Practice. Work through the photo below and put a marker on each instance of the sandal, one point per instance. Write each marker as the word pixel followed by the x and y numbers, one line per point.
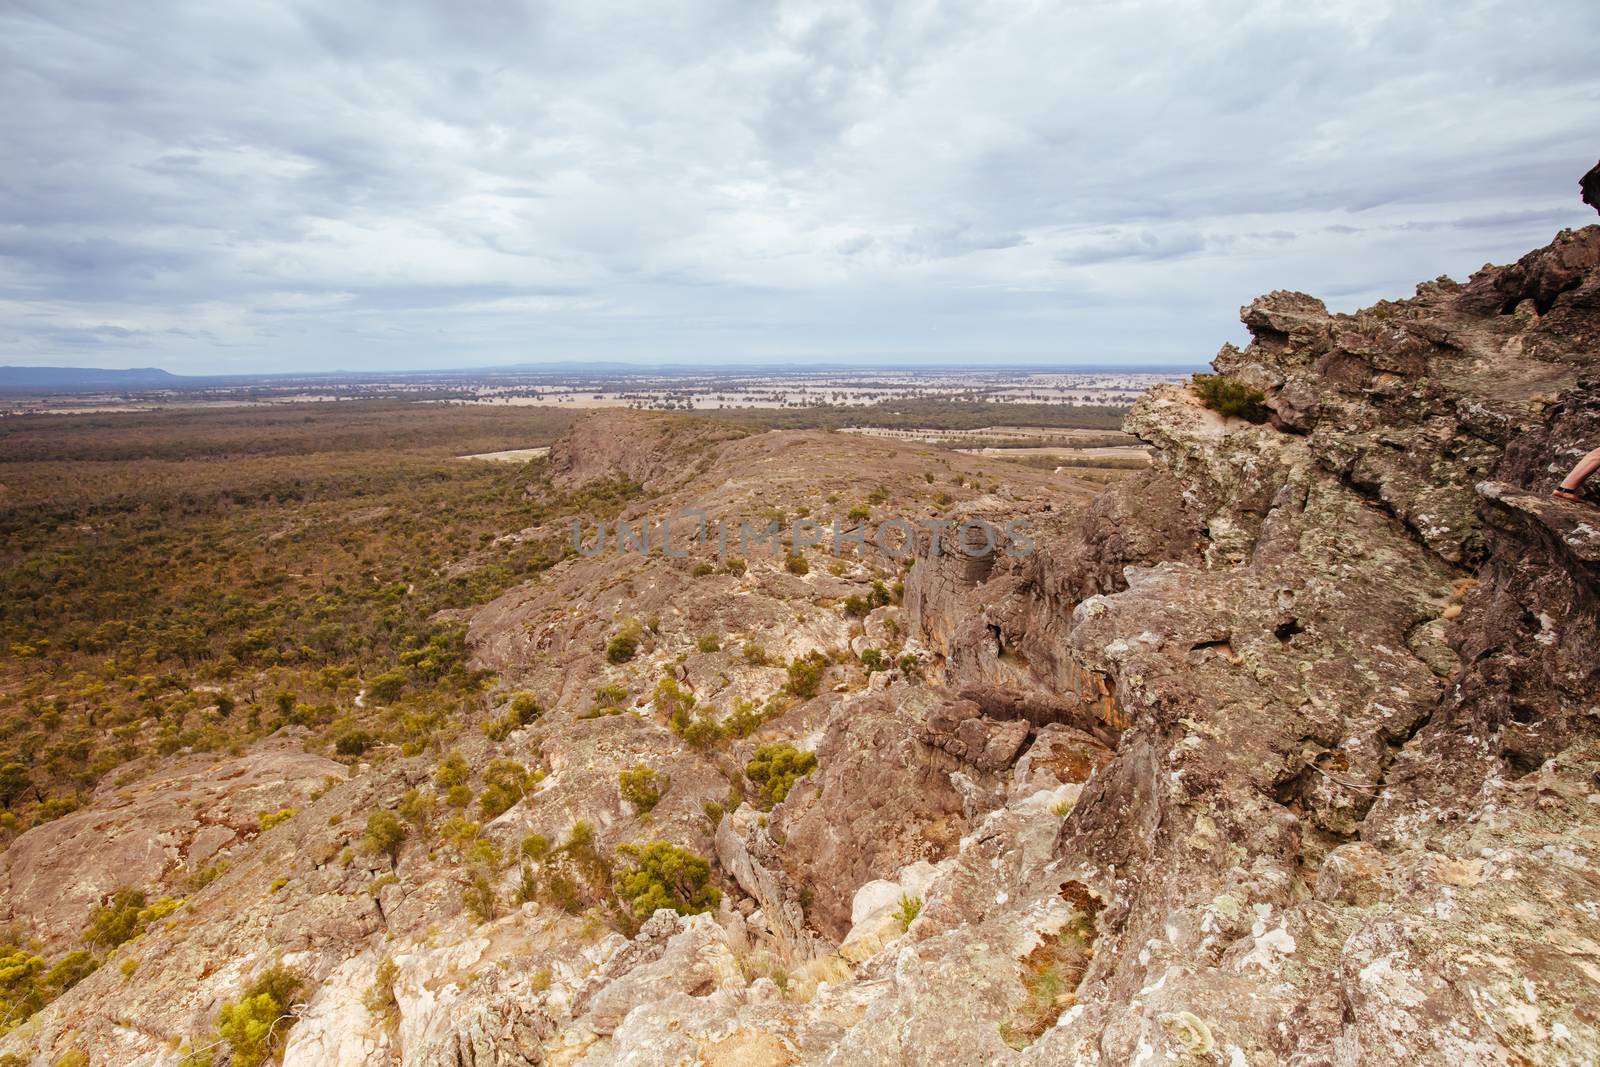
pixel 1566 494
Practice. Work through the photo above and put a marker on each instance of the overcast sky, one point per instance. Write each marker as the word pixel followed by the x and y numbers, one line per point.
pixel 219 187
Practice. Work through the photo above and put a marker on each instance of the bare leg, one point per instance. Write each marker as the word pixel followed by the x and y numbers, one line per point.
pixel 1580 474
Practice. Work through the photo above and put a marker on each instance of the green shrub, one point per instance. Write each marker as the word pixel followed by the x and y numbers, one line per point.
pixel 478 896
pixel 267 820
pixel 907 912
pixel 611 695
pixel 505 782
pixel 451 771
pixel 805 676
pixel 417 807
pixel 673 702
pixel 625 645
pixel 353 743
pixel 704 568
pixel 574 877
pixel 775 768
pixel 796 564
pixel 459 832
pixel 856 606
pixel 708 643
pixel 254 1026
pixel 387 686
pixel 662 875
pixel 116 921
pixel 1231 397
pixel 872 659
pixel 859 513
pixel 384 834
pixel 643 787
pixel 698 731
pixel 754 654
pixel 69 970
pixel 526 708
pixel 535 846
pixel 380 999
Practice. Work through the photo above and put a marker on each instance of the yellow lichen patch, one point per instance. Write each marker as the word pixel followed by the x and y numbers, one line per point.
pixel 1189 1031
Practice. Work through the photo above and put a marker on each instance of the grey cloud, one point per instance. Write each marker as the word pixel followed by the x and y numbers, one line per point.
pixel 275 186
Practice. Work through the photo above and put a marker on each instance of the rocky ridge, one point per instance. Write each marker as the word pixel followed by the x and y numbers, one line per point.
pixel 1286 750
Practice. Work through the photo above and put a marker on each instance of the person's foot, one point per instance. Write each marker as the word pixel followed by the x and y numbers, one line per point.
pixel 1565 494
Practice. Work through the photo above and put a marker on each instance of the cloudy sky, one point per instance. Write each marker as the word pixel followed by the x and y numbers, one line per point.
pixel 221 186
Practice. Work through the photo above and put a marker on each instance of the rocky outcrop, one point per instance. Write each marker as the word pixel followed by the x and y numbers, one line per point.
pixel 151 835
pixel 1341 712
pixel 652 450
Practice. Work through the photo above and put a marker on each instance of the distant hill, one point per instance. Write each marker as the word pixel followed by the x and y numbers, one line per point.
pixel 35 379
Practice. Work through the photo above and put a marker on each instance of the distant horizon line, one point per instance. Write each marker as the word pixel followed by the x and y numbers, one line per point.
pixel 599 366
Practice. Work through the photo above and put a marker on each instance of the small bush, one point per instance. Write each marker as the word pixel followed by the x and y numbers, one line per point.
pixel 673 702
pixel 384 834
pixel 708 643
pixel 535 846
pixel 805 676
pixel 353 743
pixel 267 820
pixel 417 808
pixel 704 568
pixel 116 921
pixel 505 782
pixel 523 710
pixel 775 768
pixel 662 875
pixel 907 912
pixel 478 896
pixel 1231 397
pixel 643 787
pixel 255 1025
pixel 754 654
pixel 610 695
pixel 380 999
pixel 872 659
pixel 387 686
pixel 624 645
pixel 71 969
pixel 526 708
pixel 796 564
pixel 451 771
pixel 859 513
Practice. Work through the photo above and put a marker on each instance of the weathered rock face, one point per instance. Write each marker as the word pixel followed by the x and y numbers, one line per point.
pixel 150 835
pixel 1350 698
pixel 1283 751
pixel 655 451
